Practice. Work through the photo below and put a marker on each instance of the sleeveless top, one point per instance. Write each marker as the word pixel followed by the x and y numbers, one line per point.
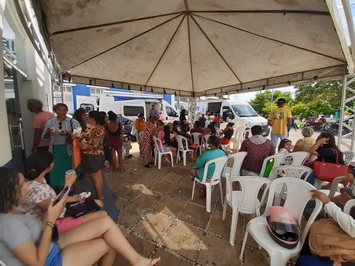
pixel 114 133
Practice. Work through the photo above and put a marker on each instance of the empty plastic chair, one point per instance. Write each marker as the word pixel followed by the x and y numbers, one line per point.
pixel 183 147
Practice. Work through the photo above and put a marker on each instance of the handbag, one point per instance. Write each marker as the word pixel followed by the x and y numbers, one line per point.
pixel 328 171
pixel 80 208
pixel 328 239
pixel 76 154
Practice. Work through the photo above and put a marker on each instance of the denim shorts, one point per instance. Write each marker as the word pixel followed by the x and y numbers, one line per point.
pixel 54 257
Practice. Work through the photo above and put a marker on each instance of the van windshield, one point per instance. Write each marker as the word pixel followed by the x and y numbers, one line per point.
pixel 244 110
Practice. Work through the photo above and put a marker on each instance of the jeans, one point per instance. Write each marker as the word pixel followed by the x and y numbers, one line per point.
pixel 275 138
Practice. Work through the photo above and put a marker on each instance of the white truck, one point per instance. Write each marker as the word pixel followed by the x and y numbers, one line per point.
pixel 232 111
pixel 129 109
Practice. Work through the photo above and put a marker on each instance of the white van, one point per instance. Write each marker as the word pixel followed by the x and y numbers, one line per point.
pixel 232 111
pixel 129 109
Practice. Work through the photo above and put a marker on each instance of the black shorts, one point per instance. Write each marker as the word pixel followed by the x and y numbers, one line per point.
pixel 91 164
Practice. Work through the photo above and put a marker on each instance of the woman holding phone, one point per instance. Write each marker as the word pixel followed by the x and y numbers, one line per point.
pixel 24 240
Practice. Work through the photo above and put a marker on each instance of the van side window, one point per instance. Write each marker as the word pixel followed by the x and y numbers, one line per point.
pixel 227 113
pixel 170 111
pixel 88 107
pixel 132 110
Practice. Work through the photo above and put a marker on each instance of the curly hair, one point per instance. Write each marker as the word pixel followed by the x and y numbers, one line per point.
pixel 9 189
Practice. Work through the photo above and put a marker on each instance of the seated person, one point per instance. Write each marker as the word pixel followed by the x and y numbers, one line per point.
pixel 227 134
pixel 258 148
pixel 40 193
pixel 321 120
pixel 177 129
pixel 197 128
pixel 346 222
pixel 307 142
pixel 285 146
pixel 166 137
pixel 198 170
pixel 24 240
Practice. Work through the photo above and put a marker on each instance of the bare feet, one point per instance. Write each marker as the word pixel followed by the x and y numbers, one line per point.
pixel 122 170
pixel 148 262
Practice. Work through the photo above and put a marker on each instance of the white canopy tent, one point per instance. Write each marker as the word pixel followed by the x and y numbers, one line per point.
pixel 194 47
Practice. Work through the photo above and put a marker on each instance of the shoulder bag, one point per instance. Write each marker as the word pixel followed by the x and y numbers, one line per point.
pixel 328 171
pixel 328 239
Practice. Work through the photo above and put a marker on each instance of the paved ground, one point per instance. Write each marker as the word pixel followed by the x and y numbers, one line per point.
pixel 159 218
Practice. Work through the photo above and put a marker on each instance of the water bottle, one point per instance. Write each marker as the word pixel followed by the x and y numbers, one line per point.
pixel 268 168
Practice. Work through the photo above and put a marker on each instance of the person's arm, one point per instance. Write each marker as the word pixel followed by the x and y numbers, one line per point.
pixel 319 142
pixel 201 160
pixel 27 252
pixel 36 139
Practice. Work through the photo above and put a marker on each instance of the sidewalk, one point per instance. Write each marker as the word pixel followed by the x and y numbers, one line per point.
pixel 159 218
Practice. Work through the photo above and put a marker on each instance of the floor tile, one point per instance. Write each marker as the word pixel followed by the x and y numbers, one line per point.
pixel 170 206
pixel 195 215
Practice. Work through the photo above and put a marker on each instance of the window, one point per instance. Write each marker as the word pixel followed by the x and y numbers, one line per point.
pixel 170 111
pixel 88 107
pixel 132 110
pixel 227 113
pixel 244 110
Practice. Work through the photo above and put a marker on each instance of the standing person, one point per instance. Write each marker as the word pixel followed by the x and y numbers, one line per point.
pixel 184 123
pixel 147 141
pixel 258 148
pixel 24 240
pixel 153 112
pixel 115 132
pixel 39 121
pixel 81 116
pixel 91 144
pixel 279 119
pixel 139 125
pixel 59 130
pixel 202 120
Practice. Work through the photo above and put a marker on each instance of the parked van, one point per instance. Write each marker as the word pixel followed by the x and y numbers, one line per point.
pixel 129 109
pixel 232 111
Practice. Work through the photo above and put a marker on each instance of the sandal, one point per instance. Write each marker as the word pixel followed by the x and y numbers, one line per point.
pixel 158 261
pixel 147 165
pixel 151 163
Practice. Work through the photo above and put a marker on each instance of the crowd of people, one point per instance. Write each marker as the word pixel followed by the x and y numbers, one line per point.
pixel 29 217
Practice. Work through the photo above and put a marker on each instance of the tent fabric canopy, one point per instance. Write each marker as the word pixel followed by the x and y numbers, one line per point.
pixel 194 47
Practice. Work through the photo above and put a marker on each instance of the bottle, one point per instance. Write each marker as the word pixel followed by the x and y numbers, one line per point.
pixel 268 168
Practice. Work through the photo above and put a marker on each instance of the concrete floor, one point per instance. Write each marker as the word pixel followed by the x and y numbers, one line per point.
pixel 159 218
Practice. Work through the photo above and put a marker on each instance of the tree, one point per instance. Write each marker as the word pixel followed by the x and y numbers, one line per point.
pixel 265 101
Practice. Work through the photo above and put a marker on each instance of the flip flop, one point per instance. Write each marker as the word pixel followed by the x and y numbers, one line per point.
pixel 151 261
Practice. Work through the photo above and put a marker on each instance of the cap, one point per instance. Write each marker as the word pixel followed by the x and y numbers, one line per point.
pixel 280 100
pixel 35 103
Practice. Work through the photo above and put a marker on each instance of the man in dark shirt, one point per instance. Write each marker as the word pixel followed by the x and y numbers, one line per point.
pixel 202 121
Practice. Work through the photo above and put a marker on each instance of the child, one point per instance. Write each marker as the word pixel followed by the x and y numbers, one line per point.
pixel 285 146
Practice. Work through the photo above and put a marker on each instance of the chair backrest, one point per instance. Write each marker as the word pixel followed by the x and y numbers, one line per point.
pixel 183 143
pixel 250 187
pixel 219 165
pixel 296 158
pixel 237 158
pixel 196 140
pixel 298 195
pixel 238 137
pixel 348 206
pixel 278 159
pixel 295 171
pixel 158 144
pixel 205 141
pixel 223 125
pixel 348 156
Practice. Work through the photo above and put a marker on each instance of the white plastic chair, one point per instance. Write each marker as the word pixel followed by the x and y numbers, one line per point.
pixel 278 160
pixel 348 206
pixel 333 191
pixel 238 159
pixel 348 156
pixel 216 179
pixel 223 125
pixel 296 158
pixel 204 141
pixel 295 171
pixel 298 194
pixel 237 138
pixel 243 201
pixel 2 263
pixel 183 147
pixel 196 140
pixel 159 152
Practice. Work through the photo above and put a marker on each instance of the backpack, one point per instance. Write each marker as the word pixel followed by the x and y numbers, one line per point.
pixel 328 239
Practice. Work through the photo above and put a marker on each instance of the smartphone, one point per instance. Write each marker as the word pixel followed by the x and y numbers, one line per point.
pixel 62 194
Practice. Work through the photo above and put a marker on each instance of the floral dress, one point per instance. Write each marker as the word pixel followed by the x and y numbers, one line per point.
pixel 147 140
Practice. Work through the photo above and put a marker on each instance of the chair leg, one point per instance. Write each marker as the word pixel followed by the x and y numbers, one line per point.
pixel 224 213
pixel 172 160
pixel 159 161
pixel 244 243
pixel 184 158
pixel 193 189
pixel 234 225
pixel 208 197
pixel 156 158
pixel 221 191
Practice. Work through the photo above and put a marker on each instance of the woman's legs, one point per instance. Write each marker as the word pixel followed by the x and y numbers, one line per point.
pixel 114 160
pixel 104 228
pixel 98 184
pixel 120 161
pixel 93 215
